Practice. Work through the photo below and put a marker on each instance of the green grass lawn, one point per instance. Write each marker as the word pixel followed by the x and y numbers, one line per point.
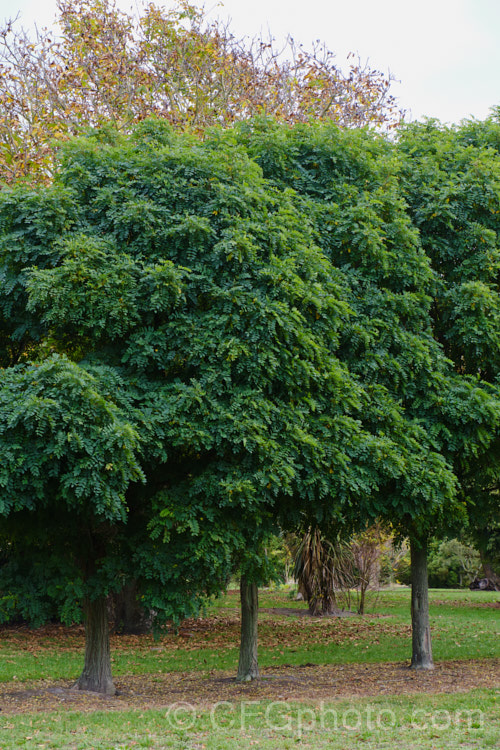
pixel 454 722
pixel 465 626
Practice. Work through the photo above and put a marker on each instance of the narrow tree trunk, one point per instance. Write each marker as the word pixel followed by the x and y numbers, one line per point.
pixel 96 675
pixel 421 632
pixel 248 668
pixel 362 598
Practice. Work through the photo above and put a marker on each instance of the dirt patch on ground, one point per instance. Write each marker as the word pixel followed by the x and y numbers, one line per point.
pixel 308 682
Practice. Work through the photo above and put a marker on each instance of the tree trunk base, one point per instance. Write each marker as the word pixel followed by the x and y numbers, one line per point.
pixel 248 667
pixel 89 686
pixel 249 677
pixel 96 675
pixel 422 667
pixel 421 631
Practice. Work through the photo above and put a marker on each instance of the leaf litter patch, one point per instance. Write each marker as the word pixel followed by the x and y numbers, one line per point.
pixel 308 682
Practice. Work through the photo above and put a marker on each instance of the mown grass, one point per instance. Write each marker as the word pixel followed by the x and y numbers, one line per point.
pixel 451 722
pixel 462 628
pixel 465 626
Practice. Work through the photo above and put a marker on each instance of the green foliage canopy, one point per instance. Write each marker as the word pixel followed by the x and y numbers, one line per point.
pixel 450 178
pixel 175 338
pixel 397 336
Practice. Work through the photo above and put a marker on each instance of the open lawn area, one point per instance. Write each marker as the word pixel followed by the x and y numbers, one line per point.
pixel 336 682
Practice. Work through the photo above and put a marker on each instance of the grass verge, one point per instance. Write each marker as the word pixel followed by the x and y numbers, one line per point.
pixel 454 722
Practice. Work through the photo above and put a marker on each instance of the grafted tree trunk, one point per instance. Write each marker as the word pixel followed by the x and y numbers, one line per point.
pixel 96 673
pixel 421 657
pixel 248 668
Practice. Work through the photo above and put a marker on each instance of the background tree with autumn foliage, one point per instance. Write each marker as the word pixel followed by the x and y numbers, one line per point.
pixel 101 65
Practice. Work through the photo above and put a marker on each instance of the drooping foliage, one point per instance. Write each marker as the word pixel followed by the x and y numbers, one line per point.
pixel 349 184
pixel 170 323
pixel 351 189
pixel 451 181
pixel 237 333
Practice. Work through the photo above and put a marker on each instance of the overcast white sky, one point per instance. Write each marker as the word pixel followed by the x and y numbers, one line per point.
pixel 445 53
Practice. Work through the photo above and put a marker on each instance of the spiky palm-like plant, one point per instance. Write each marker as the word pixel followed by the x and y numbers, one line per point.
pixel 321 571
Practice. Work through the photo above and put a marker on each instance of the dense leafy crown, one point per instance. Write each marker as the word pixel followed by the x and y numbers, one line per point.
pixel 232 347
pixel 450 178
pixel 397 334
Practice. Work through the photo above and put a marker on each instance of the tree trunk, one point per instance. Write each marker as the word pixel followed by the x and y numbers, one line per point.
pixel 362 598
pixel 488 571
pixel 96 675
pixel 421 632
pixel 248 668
pixel 126 613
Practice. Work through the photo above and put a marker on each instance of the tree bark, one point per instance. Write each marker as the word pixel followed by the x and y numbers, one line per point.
pixel 248 668
pixel 421 632
pixel 362 598
pixel 126 613
pixel 488 571
pixel 96 675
